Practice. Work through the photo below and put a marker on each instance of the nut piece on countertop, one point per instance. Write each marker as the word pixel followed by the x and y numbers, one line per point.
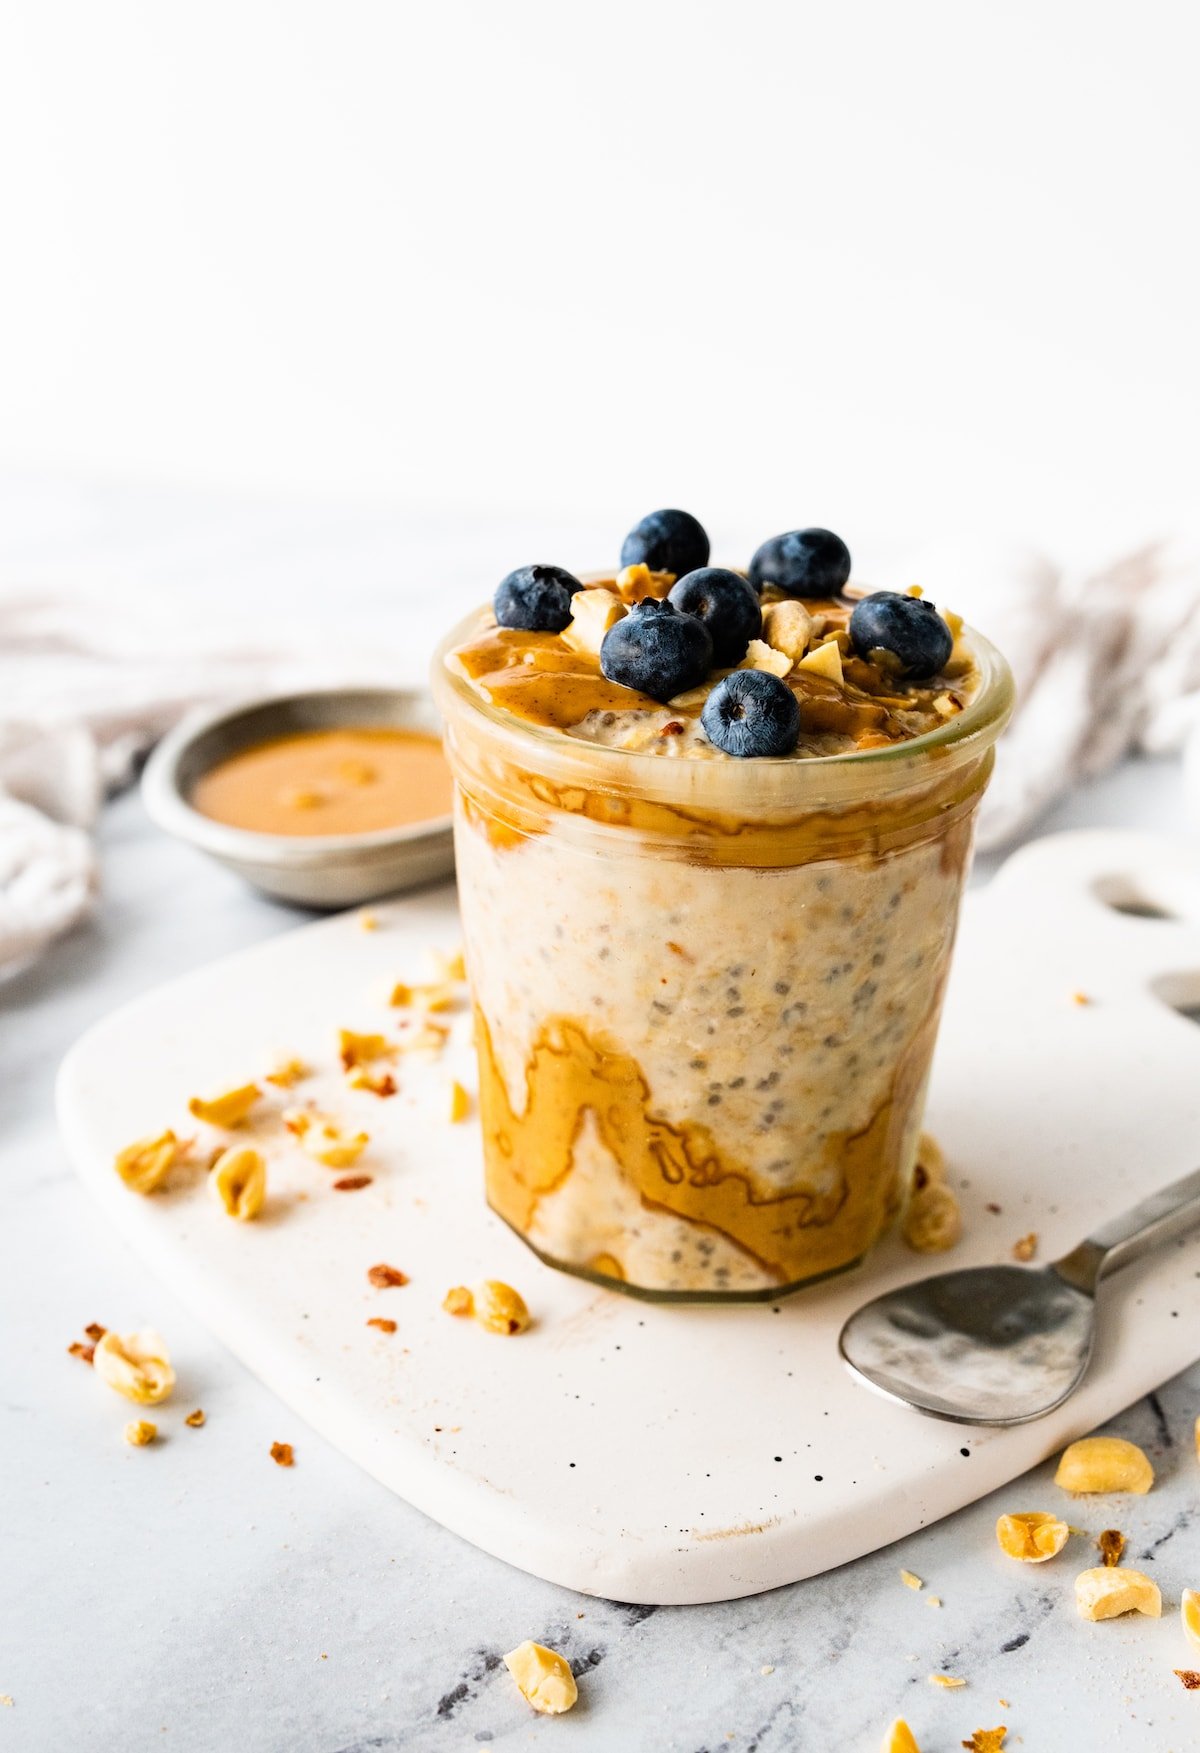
pixel 1112 1546
pixel 239 1181
pixel 899 1738
pixel 1103 1593
pixel 1032 1536
pixel 324 1139
pixel 139 1432
pixel 1189 1613
pixel 500 1308
pixel 986 1740
pixel 143 1165
pixel 226 1110
pixel 932 1221
pixel 137 1366
pixel 458 1301
pixel 543 1677
pixel 283 1454
pixel 1104 1463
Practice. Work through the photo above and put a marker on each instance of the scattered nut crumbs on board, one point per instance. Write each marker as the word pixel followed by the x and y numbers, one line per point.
pixel 1112 1544
pixel 139 1432
pixel 195 1419
pixel 352 1183
pixel 1026 1247
pixel 382 1322
pixel 283 1454
pixel 386 1277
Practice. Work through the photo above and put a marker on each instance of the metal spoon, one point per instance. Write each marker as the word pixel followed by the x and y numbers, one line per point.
pixel 1005 1344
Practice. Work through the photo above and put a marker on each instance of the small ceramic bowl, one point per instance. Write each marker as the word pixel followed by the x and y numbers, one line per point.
pixel 326 870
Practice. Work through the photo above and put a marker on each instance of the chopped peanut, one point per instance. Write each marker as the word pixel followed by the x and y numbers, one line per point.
pixel 85 1353
pixel 323 1139
pixel 239 1181
pixel 139 1432
pixel 195 1419
pixel 824 660
pixel 1032 1536
pixel 429 1038
pixel 543 1677
pixel 382 1323
pixel 287 1073
pixel 1189 1613
pixel 386 1277
pixel 986 1740
pixel 283 1454
pixel 377 1083
pixel 1103 1593
pixel 933 1221
pixel 450 965
pixel 352 1183
pixel 899 1738
pixel 1026 1247
pixel 1104 1463
pixel 460 1103
pixel 227 1110
pixel 143 1165
pixel 761 656
pixel 1189 1678
pixel 593 612
pixel 788 627
pixel 1112 1546
pixel 499 1308
pixel 949 1681
pixel 355 1049
pixel 137 1366
pixel 910 1580
pixel 434 995
pixel 459 1301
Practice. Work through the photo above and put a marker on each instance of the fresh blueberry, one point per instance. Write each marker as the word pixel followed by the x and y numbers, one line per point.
pixel 908 628
pixel 666 541
pixel 537 599
pixel 656 650
pixel 726 604
pixel 804 563
pixel 752 713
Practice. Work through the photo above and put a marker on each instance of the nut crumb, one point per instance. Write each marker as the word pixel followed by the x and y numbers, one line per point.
pixel 137 1367
pixel 460 1103
pixel 672 728
pixel 459 1301
pixel 352 1183
pixel 1112 1545
pixel 1026 1247
pixel 767 1668
pixel 899 1738
pixel 946 1680
pixel 993 1208
pixel 226 1110
pixel 933 1600
pixel 95 1331
pixel 986 1740
pixel 355 1049
pixel 324 1139
pixel 382 1322
pixel 85 1353
pixel 195 1419
pixel 1033 1536
pixel 377 1083
pixel 543 1678
pixel 910 1580
pixel 1190 1678
pixel 288 1072
pixel 933 1221
pixel 145 1164
pixel 1080 998
pixel 283 1454
pixel 385 1277
pixel 239 1181
pixel 368 922
pixel 139 1432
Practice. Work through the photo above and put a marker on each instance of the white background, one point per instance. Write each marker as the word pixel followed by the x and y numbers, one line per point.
pixel 883 266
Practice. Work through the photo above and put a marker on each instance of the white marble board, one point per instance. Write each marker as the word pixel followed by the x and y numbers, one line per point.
pixel 646 1453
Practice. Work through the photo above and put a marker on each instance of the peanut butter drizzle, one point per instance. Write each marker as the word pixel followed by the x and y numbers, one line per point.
pixel 539 679
pixel 679 1167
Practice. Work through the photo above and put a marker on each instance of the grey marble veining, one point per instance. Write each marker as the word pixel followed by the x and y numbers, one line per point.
pixel 195 1597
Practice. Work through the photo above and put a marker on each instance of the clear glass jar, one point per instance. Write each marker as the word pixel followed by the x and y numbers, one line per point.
pixel 707 992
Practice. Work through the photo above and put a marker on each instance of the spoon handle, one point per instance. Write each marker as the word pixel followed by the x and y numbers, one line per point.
pixel 1169 1213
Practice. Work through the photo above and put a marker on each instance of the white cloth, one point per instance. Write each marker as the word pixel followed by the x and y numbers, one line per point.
pixel 1105 659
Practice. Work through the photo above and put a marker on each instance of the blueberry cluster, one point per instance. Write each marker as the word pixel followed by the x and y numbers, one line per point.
pixel 665 646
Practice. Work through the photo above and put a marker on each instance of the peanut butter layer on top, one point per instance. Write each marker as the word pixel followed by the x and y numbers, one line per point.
pixel 847 702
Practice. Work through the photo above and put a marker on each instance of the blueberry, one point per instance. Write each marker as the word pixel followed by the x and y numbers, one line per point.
pixel 726 604
pixel 537 599
pixel 666 541
pixel 804 563
pixel 752 713
pixel 656 650
pixel 909 629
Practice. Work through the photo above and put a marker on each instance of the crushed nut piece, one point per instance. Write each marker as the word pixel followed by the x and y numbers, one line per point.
pixel 788 627
pixel 386 1277
pixel 139 1432
pixel 1189 1613
pixel 137 1366
pixel 499 1308
pixel 434 995
pixel 352 1183
pixel 377 1083
pixel 287 1073
pixel 933 1600
pixel 227 1110
pixel 383 1324
pixel 986 1740
pixel 946 1680
pixel 1026 1247
pixel 95 1331
pixel 635 582
pixel 761 656
pixel 283 1454
pixel 1112 1545
pixel 1080 998
pixel 1031 1535
pixel 899 1738
pixel 355 1049
pixel 450 965
pixel 325 1140
pixel 460 1103
pixel 368 922
pixel 1104 1463
pixel 85 1353
pixel 195 1419
pixel 239 1181
pixel 143 1165
pixel 933 1221
pixel 459 1301
pixel 910 1580
pixel 674 727
pixel 1189 1677
pixel 543 1677
pixel 429 1038
pixel 1105 1594
pixel 824 660
pixel 593 612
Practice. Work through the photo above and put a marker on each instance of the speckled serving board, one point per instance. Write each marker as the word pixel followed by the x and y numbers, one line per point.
pixel 658 1454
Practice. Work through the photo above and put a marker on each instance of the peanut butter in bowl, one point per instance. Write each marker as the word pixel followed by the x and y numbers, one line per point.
pixel 712 829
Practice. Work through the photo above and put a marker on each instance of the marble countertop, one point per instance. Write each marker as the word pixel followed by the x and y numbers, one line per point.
pixel 192 1597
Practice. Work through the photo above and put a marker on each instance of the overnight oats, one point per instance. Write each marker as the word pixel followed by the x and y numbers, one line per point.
pixel 712 833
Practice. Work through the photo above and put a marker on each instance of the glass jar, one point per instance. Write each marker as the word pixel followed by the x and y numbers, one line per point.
pixel 707 991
